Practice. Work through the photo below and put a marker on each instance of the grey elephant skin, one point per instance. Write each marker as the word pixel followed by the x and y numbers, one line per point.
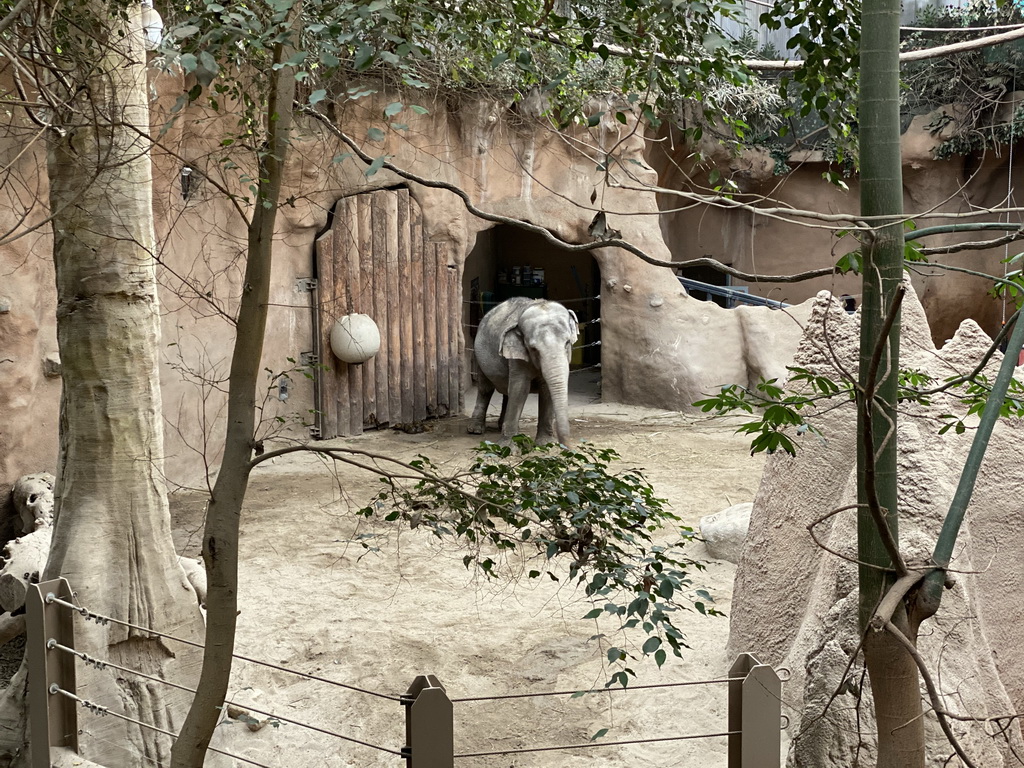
pixel 519 342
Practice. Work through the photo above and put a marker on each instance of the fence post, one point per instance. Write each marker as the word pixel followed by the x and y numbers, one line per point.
pixel 755 715
pixel 429 725
pixel 53 720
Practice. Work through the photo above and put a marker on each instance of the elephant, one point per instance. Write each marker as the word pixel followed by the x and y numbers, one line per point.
pixel 518 342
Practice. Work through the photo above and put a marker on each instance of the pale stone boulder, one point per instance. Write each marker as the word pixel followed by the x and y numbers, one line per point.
pixel 24 560
pixel 33 501
pixel 195 572
pixel 725 531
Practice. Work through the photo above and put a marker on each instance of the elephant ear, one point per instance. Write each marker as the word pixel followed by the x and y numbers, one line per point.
pixel 574 326
pixel 513 347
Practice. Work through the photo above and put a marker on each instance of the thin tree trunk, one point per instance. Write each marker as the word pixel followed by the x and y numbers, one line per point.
pixel 894 679
pixel 220 539
pixel 112 533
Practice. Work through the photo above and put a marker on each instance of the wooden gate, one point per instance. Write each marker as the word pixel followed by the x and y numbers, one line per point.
pixel 375 260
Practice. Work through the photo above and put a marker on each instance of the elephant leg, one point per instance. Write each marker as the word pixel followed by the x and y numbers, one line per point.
pixel 478 421
pixel 518 389
pixel 504 410
pixel 545 416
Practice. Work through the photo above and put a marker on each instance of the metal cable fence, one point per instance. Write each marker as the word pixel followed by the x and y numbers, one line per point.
pixel 754 692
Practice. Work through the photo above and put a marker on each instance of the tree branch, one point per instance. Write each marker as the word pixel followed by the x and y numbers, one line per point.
pixel 973 245
pixel 12 17
pixel 545 233
pixel 867 397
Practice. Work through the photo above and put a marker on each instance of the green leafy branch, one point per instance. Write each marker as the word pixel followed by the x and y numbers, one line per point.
pixel 553 503
pixel 787 412
pixel 779 412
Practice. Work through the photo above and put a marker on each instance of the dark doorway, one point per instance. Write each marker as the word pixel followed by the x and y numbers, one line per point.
pixel 507 261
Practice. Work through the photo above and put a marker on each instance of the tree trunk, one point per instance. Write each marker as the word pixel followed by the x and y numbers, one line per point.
pixel 220 538
pixel 894 680
pixel 112 537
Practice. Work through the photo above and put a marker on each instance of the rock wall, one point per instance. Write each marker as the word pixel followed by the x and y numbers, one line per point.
pixel 936 192
pixel 659 346
pixel 795 604
pixel 29 363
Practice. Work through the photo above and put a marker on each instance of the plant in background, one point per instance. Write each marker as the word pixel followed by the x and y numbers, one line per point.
pixel 979 81
pixel 550 503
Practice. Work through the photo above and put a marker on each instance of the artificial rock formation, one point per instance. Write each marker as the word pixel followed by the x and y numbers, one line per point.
pixel 937 190
pixel 33 501
pixel 795 605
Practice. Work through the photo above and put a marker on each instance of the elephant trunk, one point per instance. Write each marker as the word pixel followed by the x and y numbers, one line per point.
pixel 555 369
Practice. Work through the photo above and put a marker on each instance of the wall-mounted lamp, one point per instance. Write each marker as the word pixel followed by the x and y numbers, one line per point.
pixel 186 182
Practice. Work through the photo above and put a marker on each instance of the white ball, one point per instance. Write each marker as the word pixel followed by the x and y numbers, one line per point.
pixel 355 338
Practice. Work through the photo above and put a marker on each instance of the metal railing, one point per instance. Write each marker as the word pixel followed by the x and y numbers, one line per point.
pixel 734 294
pixel 754 691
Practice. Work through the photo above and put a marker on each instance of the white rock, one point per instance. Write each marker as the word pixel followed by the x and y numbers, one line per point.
pixel 725 531
pixel 195 572
pixel 24 561
pixel 33 500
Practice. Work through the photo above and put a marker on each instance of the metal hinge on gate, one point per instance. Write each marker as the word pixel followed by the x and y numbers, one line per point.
pixel 308 358
pixel 305 284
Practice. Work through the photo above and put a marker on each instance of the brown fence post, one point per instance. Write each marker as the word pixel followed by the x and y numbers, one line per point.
pixel 53 720
pixel 429 725
pixel 755 714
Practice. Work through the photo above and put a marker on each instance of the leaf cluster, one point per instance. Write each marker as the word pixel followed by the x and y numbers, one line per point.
pixel 654 54
pixel 780 410
pixel 825 34
pixel 550 503
pixel 786 413
pixel 978 81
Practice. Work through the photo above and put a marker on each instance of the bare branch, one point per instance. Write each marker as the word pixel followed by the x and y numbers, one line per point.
pixel 12 17
pixel 866 401
pixel 543 232
pixel 974 245
pixel 969 45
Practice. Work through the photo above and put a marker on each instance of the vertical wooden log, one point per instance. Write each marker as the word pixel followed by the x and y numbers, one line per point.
pixel 353 303
pixel 326 374
pixel 419 299
pixel 344 246
pixel 443 310
pixel 395 308
pixel 366 269
pixel 380 312
pixel 455 312
pixel 405 303
pixel 430 326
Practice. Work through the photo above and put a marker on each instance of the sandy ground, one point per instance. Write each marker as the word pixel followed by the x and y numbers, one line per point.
pixel 313 600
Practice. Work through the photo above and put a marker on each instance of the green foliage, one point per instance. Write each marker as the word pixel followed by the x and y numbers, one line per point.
pixel 853 262
pixel 975 395
pixel 826 36
pixel 654 53
pixel 977 80
pixel 786 413
pixel 778 413
pixel 550 503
